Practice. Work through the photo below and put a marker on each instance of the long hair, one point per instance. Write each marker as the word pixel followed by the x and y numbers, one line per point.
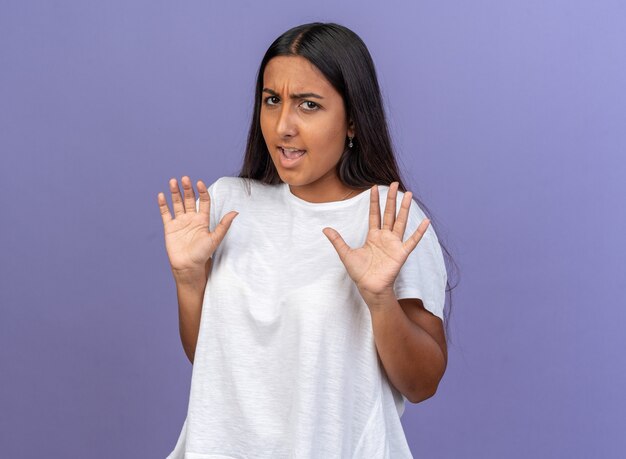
pixel 345 61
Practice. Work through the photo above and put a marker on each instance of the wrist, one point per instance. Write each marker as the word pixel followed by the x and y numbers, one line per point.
pixel 379 299
pixel 187 277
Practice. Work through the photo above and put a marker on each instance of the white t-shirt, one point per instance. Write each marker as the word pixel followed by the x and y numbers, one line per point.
pixel 286 363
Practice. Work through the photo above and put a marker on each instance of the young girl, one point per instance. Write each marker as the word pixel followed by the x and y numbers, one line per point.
pixel 314 308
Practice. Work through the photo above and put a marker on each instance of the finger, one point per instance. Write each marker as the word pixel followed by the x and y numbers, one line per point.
pixel 222 228
pixel 177 202
pixel 403 215
pixel 205 199
pixel 188 194
pixel 337 241
pixel 374 208
pixel 390 207
pixel 412 242
pixel 165 211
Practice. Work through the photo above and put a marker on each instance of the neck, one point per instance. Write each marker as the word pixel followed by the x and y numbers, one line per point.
pixel 321 197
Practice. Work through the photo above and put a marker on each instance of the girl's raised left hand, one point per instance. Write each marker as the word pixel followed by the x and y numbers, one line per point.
pixel 375 266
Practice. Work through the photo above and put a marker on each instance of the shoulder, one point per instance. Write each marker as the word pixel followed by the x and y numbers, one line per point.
pixel 226 182
pixel 242 189
pixel 239 182
pixel 225 186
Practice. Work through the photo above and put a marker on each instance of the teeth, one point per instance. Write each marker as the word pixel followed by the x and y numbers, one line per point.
pixel 292 153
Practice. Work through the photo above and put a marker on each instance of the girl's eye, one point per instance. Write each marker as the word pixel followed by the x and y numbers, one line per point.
pixel 310 106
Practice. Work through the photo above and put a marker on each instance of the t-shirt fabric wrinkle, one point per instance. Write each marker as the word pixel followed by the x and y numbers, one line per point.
pixel 286 363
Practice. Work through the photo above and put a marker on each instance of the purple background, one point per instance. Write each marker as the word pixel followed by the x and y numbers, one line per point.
pixel 508 117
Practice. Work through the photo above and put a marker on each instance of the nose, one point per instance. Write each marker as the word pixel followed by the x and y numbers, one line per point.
pixel 286 125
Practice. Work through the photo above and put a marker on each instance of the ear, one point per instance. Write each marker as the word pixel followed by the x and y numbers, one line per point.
pixel 351 128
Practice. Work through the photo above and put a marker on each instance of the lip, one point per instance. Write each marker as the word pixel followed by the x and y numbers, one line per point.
pixel 289 163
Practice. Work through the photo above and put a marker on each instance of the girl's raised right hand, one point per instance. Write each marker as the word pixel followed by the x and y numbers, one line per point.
pixel 188 242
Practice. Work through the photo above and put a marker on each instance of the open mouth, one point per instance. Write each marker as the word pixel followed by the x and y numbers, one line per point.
pixel 291 153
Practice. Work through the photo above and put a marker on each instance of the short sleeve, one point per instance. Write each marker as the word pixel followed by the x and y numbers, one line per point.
pixel 423 274
pixel 213 220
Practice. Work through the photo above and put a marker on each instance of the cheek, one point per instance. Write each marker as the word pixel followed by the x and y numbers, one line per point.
pixel 333 136
pixel 265 128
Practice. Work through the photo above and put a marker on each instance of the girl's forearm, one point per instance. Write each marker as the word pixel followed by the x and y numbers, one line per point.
pixel 190 292
pixel 412 359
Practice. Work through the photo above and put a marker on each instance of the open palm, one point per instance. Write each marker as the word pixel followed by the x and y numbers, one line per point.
pixel 188 242
pixel 375 266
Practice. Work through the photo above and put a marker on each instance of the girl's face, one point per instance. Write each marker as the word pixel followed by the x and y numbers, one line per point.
pixel 301 110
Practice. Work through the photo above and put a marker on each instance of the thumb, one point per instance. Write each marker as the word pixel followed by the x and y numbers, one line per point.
pixel 222 227
pixel 337 241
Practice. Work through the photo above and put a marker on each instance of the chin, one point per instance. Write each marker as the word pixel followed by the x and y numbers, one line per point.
pixel 291 180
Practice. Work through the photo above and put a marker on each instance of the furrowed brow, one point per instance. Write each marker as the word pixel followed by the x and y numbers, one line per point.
pixel 302 95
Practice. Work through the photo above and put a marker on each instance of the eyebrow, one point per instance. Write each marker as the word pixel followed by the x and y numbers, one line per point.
pixel 294 96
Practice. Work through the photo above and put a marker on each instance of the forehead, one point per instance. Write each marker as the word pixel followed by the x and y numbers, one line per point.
pixel 295 73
